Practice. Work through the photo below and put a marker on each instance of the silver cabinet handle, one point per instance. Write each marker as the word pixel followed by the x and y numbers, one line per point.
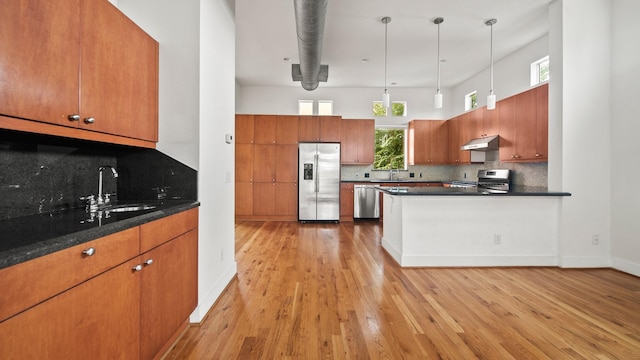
pixel 89 252
pixel 137 268
pixel 148 262
pixel 89 120
pixel 74 117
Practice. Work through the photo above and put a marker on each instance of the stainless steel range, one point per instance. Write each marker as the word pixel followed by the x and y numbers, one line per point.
pixel 494 181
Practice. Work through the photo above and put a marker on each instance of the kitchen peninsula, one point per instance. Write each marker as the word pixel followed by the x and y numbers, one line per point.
pixel 439 226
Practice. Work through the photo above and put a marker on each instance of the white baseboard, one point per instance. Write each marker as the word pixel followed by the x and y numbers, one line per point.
pixel 585 261
pixel 491 260
pixel 212 295
pixel 626 266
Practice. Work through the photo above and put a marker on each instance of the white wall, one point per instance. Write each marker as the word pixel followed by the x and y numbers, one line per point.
pixel 196 109
pixel 351 103
pixel 511 75
pixel 625 127
pixel 586 131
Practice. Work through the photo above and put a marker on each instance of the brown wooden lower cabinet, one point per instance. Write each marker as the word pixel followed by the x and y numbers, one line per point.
pixel 287 199
pixel 169 291
pixel 244 198
pixel 98 319
pixel 346 202
pixel 132 309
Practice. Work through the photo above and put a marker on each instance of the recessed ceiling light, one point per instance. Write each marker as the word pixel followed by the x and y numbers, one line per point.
pixel 394 83
pixel 286 59
pixel 364 61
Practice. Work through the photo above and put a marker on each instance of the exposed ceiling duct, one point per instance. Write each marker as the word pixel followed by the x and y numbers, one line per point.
pixel 310 17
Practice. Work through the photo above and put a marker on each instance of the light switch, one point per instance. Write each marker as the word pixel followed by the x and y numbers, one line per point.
pixel 228 138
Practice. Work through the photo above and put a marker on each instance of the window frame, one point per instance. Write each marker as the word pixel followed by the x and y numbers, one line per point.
pixel 536 71
pixel 469 104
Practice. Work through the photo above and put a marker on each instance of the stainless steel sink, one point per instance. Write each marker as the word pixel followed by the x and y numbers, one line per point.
pixel 129 207
pixel 397 189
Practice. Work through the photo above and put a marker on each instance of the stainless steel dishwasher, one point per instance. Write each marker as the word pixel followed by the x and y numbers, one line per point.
pixel 365 202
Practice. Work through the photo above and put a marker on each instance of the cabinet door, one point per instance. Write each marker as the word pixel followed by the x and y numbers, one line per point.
pixel 264 198
pixel 286 163
pixel 169 291
pixel 308 128
pixel 98 319
pixel 542 122
pixel 454 138
pixel 264 163
pixel 346 201
pixel 366 141
pixel 264 129
pixel 244 162
pixel 474 123
pixel 418 142
pixel 525 126
pixel 507 113
pixel 244 198
pixel 40 60
pixel 349 144
pixel 286 129
pixel 439 140
pixel 287 199
pixel 490 122
pixel 464 135
pixel 330 129
pixel 244 129
pixel 119 74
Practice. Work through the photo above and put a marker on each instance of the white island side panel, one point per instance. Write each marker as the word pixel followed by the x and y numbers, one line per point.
pixel 462 230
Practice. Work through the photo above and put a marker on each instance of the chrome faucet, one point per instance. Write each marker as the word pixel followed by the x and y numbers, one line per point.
pixel 104 198
pixel 391 172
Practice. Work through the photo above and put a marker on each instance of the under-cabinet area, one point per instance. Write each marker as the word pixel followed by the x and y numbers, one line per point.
pixel 122 296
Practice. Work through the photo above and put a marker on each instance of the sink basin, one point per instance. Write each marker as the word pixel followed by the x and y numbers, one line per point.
pixel 129 207
pixel 397 189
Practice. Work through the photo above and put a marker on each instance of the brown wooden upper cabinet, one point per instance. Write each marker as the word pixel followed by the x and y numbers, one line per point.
pixel 524 126
pixel 286 129
pixel 427 142
pixel 319 128
pixel 458 135
pixel 79 64
pixel 244 129
pixel 264 129
pixel 358 138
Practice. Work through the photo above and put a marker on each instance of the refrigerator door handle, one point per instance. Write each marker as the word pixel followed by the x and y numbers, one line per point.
pixel 315 165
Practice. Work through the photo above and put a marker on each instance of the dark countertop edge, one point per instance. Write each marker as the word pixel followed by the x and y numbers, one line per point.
pixel 32 251
pixel 398 181
pixel 467 192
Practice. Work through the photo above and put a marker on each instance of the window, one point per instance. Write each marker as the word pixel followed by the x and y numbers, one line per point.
pixel 471 101
pixel 398 108
pixel 390 147
pixel 305 107
pixel 325 107
pixel 540 71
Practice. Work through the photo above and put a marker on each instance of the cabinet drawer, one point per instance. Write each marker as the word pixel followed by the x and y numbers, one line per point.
pixel 29 283
pixel 160 231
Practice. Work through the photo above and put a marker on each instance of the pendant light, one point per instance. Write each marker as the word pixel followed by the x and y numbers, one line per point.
pixel 386 101
pixel 437 100
pixel 491 99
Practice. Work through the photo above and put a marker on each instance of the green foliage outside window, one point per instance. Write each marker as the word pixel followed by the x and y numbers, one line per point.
pixel 397 108
pixel 389 149
pixel 474 100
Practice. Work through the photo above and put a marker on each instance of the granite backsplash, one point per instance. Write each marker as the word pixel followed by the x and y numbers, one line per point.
pixel 43 174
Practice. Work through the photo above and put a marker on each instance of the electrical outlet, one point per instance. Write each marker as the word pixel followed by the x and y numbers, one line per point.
pixel 595 239
pixel 497 239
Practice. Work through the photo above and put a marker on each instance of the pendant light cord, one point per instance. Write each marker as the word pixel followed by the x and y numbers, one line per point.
pixel 490 23
pixel 438 89
pixel 386 22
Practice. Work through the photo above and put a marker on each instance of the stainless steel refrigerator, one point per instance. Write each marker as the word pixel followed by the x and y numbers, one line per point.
pixel 319 182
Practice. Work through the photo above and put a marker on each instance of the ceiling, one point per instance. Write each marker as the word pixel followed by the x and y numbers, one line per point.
pixel 266 35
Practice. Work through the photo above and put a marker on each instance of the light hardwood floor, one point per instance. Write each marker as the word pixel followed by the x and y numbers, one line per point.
pixel 327 291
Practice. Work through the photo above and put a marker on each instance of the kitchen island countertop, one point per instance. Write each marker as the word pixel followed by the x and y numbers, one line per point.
pixel 467 191
pixel 28 237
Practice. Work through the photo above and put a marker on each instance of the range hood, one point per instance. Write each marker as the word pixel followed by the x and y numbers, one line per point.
pixel 482 144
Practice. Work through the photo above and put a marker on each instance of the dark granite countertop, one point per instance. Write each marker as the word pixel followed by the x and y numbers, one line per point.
pixel 468 191
pixel 402 181
pixel 28 237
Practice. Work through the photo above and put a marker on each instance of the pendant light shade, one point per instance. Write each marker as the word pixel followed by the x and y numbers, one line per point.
pixel 491 99
pixel 437 99
pixel 386 98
